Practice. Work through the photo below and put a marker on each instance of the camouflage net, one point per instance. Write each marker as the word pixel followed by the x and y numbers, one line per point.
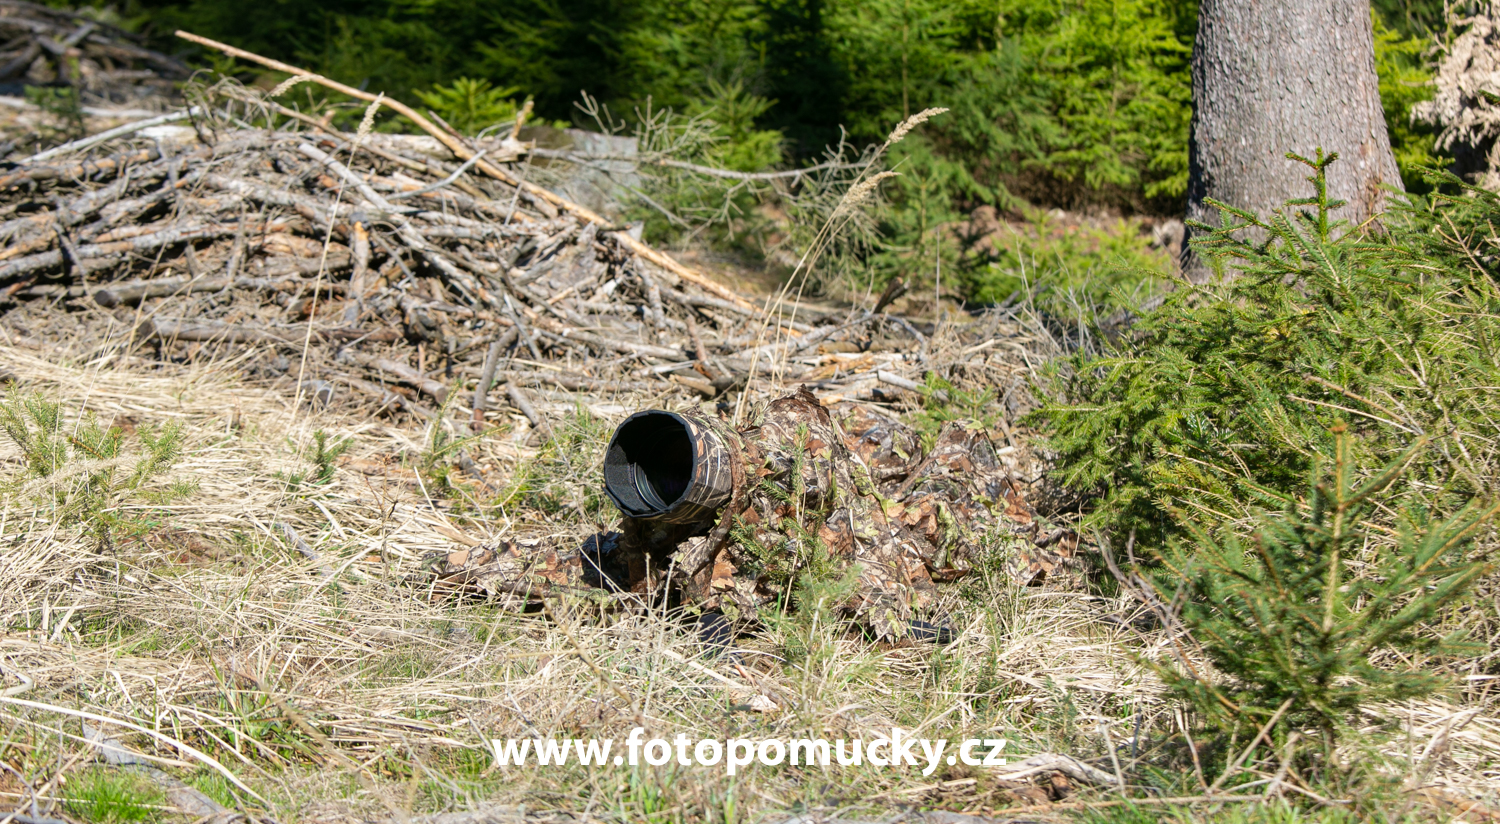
pixel 817 491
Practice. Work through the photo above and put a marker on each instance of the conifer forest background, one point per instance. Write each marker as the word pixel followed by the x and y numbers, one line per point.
pixel 1077 105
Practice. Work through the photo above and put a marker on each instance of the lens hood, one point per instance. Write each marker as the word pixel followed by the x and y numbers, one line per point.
pixel 669 467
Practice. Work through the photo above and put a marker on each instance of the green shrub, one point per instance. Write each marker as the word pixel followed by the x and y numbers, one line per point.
pixel 998 127
pixel 471 105
pixel 326 454
pixel 717 128
pixel 738 144
pixel 1406 80
pixel 560 478
pixel 1120 88
pixel 807 638
pixel 324 459
pixel 1367 363
pixel 1057 259
pixel 1294 615
pixel 80 472
pixel 942 402
pixel 439 462
pixel 1223 397
pixel 1412 18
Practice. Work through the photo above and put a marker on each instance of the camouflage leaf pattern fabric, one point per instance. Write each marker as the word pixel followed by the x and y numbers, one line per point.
pixel 816 490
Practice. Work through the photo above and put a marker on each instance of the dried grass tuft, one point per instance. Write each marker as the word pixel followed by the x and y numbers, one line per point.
pixel 288 84
pixel 902 129
pixel 860 192
pixel 367 123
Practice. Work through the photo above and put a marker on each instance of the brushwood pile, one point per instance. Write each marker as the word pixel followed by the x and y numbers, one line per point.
pixel 379 274
pixel 58 48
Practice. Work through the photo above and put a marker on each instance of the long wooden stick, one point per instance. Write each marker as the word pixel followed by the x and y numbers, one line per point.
pixel 465 153
pixel 135 291
pixel 118 131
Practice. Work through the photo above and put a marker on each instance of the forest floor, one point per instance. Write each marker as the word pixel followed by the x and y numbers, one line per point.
pixel 326 684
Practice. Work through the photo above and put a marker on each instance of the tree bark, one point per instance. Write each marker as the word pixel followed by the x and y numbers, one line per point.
pixel 1271 77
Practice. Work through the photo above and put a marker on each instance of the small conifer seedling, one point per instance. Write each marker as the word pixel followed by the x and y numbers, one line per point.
pixel 1293 614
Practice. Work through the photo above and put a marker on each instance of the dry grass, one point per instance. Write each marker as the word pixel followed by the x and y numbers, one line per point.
pixel 352 696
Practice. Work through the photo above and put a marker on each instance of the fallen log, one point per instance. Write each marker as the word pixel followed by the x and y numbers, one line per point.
pixel 909 385
pixel 118 131
pixel 520 401
pixel 89 168
pixel 164 329
pixel 143 243
pixel 387 397
pixel 578 383
pixel 487 376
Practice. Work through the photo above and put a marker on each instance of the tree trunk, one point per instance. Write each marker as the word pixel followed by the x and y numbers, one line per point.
pixel 1278 76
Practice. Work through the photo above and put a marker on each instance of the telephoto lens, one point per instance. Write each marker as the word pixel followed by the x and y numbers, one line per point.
pixel 669 467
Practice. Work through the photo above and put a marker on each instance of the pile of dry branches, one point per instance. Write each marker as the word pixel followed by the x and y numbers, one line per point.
pixel 379 263
pixel 48 46
pixel 384 271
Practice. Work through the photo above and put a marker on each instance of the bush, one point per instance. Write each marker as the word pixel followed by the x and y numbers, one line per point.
pixel 1091 265
pixel 1294 615
pixel 1364 362
pixel 1328 348
pixel 737 144
pixel 1121 92
pixel 82 474
pixel 470 105
pixel 1406 80
pixel 1223 398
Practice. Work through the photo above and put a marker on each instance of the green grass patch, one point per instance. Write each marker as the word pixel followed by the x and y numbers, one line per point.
pixel 108 796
